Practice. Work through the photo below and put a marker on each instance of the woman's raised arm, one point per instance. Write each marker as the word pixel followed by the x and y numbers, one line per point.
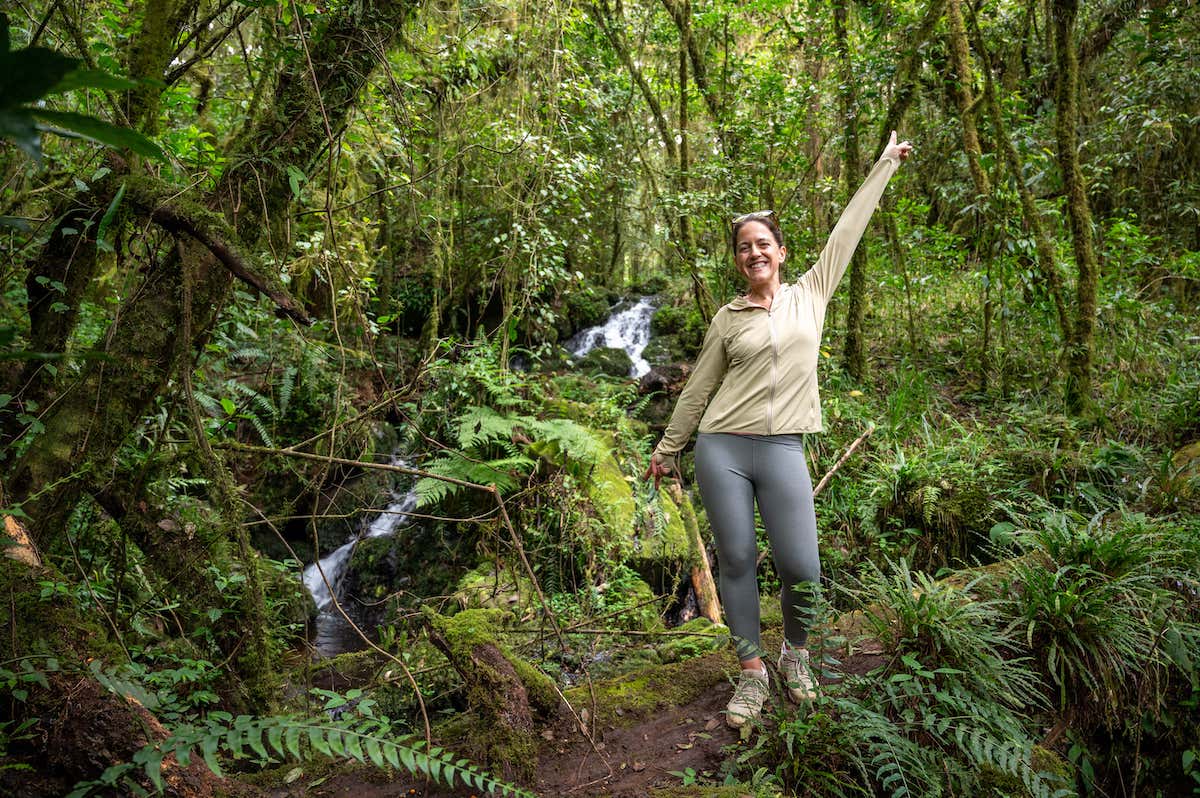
pixel 827 272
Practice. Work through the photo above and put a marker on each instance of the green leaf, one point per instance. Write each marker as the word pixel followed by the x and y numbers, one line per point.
pixel 19 127
pixel 254 739
pixel 29 75
pixel 291 739
pixel 354 746
pixel 317 738
pixel 208 749
pixel 374 752
pixel 102 231
pixel 68 123
pixel 275 739
pixel 295 178
pixel 230 408
pixel 91 79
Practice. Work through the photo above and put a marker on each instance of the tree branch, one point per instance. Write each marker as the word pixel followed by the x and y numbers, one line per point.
pixel 211 230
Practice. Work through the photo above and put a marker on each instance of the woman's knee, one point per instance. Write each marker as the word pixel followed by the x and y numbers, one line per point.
pixel 794 568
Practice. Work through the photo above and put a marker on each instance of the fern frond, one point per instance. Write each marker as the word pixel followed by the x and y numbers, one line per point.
pixel 365 739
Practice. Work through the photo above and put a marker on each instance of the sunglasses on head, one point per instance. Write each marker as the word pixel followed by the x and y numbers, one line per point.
pixel 749 217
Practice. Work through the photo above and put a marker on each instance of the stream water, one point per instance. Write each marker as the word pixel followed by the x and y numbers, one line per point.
pixel 627 328
pixel 324 578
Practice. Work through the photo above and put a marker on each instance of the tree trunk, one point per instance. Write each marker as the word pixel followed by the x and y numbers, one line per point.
pixel 854 352
pixel 686 245
pixel 963 78
pixel 1043 243
pixel 143 349
pixel 1079 345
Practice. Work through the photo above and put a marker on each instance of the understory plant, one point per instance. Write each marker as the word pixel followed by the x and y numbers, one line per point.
pixel 348 728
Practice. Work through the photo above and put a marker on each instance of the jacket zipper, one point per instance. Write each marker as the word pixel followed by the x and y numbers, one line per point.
pixel 774 374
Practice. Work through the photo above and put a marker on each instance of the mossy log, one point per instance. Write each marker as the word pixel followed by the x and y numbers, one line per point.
pixel 503 691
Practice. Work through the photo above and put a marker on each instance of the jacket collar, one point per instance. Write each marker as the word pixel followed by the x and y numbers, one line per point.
pixel 742 303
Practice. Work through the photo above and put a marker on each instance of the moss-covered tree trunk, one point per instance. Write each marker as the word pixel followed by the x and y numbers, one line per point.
pixel 145 346
pixel 855 348
pixel 962 81
pixel 1079 344
pixel 503 691
pixel 1043 243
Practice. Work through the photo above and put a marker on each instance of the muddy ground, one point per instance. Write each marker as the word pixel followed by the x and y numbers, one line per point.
pixel 638 744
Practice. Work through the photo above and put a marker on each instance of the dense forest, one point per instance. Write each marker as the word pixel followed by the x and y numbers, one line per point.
pixel 320 476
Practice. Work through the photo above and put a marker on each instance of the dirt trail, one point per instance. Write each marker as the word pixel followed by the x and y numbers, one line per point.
pixel 639 742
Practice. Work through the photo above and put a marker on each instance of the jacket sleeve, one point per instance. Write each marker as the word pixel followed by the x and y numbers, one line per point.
pixel 710 370
pixel 827 272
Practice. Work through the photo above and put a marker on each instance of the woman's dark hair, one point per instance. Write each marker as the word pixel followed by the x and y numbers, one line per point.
pixel 765 217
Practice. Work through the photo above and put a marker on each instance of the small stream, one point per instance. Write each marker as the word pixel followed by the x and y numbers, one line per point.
pixel 627 328
pixel 333 635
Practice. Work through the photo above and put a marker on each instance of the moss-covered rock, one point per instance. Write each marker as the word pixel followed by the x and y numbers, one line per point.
pixel 607 360
pixel 627 699
pixel 494 586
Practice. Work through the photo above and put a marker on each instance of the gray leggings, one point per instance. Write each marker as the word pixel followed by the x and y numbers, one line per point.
pixel 732 471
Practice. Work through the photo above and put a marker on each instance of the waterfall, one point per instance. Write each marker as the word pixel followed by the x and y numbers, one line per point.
pixel 333 634
pixel 627 328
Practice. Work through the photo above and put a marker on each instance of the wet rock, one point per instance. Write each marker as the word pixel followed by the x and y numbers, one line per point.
pixel 607 360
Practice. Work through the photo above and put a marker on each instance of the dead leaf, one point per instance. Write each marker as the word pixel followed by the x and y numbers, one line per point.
pixel 712 724
pixel 638 767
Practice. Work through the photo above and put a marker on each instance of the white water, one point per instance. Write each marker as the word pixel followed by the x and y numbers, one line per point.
pixel 328 572
pixel 627 329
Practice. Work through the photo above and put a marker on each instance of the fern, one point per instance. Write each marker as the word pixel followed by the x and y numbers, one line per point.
pixel 365 739
pixel 458 466
pixel 482 433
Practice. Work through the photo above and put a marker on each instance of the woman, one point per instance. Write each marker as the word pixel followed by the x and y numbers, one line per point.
pixel 762 348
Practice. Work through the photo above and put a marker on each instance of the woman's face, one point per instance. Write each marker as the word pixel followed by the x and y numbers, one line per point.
pixel 757 255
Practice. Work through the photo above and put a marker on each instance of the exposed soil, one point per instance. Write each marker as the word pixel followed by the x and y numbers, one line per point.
pixel 634 754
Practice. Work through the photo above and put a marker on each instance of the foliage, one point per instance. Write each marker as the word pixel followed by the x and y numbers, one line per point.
pixel 33 73
pixel 360 735
pixel 1109 608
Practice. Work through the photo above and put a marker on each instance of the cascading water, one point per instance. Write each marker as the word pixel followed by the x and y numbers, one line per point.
pixel 628 328
pixel 333 635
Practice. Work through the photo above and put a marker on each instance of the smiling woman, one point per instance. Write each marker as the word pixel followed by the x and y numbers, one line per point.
pixel 762 348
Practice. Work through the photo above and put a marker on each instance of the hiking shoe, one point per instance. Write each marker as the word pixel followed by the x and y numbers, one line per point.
pixel 748 698
pixel 797 674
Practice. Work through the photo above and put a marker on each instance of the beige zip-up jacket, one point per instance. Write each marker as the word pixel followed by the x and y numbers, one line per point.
pixel 766 360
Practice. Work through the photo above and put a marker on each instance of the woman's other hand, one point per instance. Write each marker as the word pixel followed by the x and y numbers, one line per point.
pixel 899 151
pixel 660 466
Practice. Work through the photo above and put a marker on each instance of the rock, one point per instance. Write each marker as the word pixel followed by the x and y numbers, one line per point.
pixel 668 379
pixel 607 360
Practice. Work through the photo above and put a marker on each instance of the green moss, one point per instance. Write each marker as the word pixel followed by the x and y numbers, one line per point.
pixel 607 360
pixel 612 498
pixel 698 791
pixel 475 627
pixel 710 637
pixel 48 625
pixel 492 586
pixel 628 698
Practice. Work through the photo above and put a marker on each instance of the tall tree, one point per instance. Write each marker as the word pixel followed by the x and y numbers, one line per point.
pixel 962 83
pixel 854 350
pixel 1079 344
